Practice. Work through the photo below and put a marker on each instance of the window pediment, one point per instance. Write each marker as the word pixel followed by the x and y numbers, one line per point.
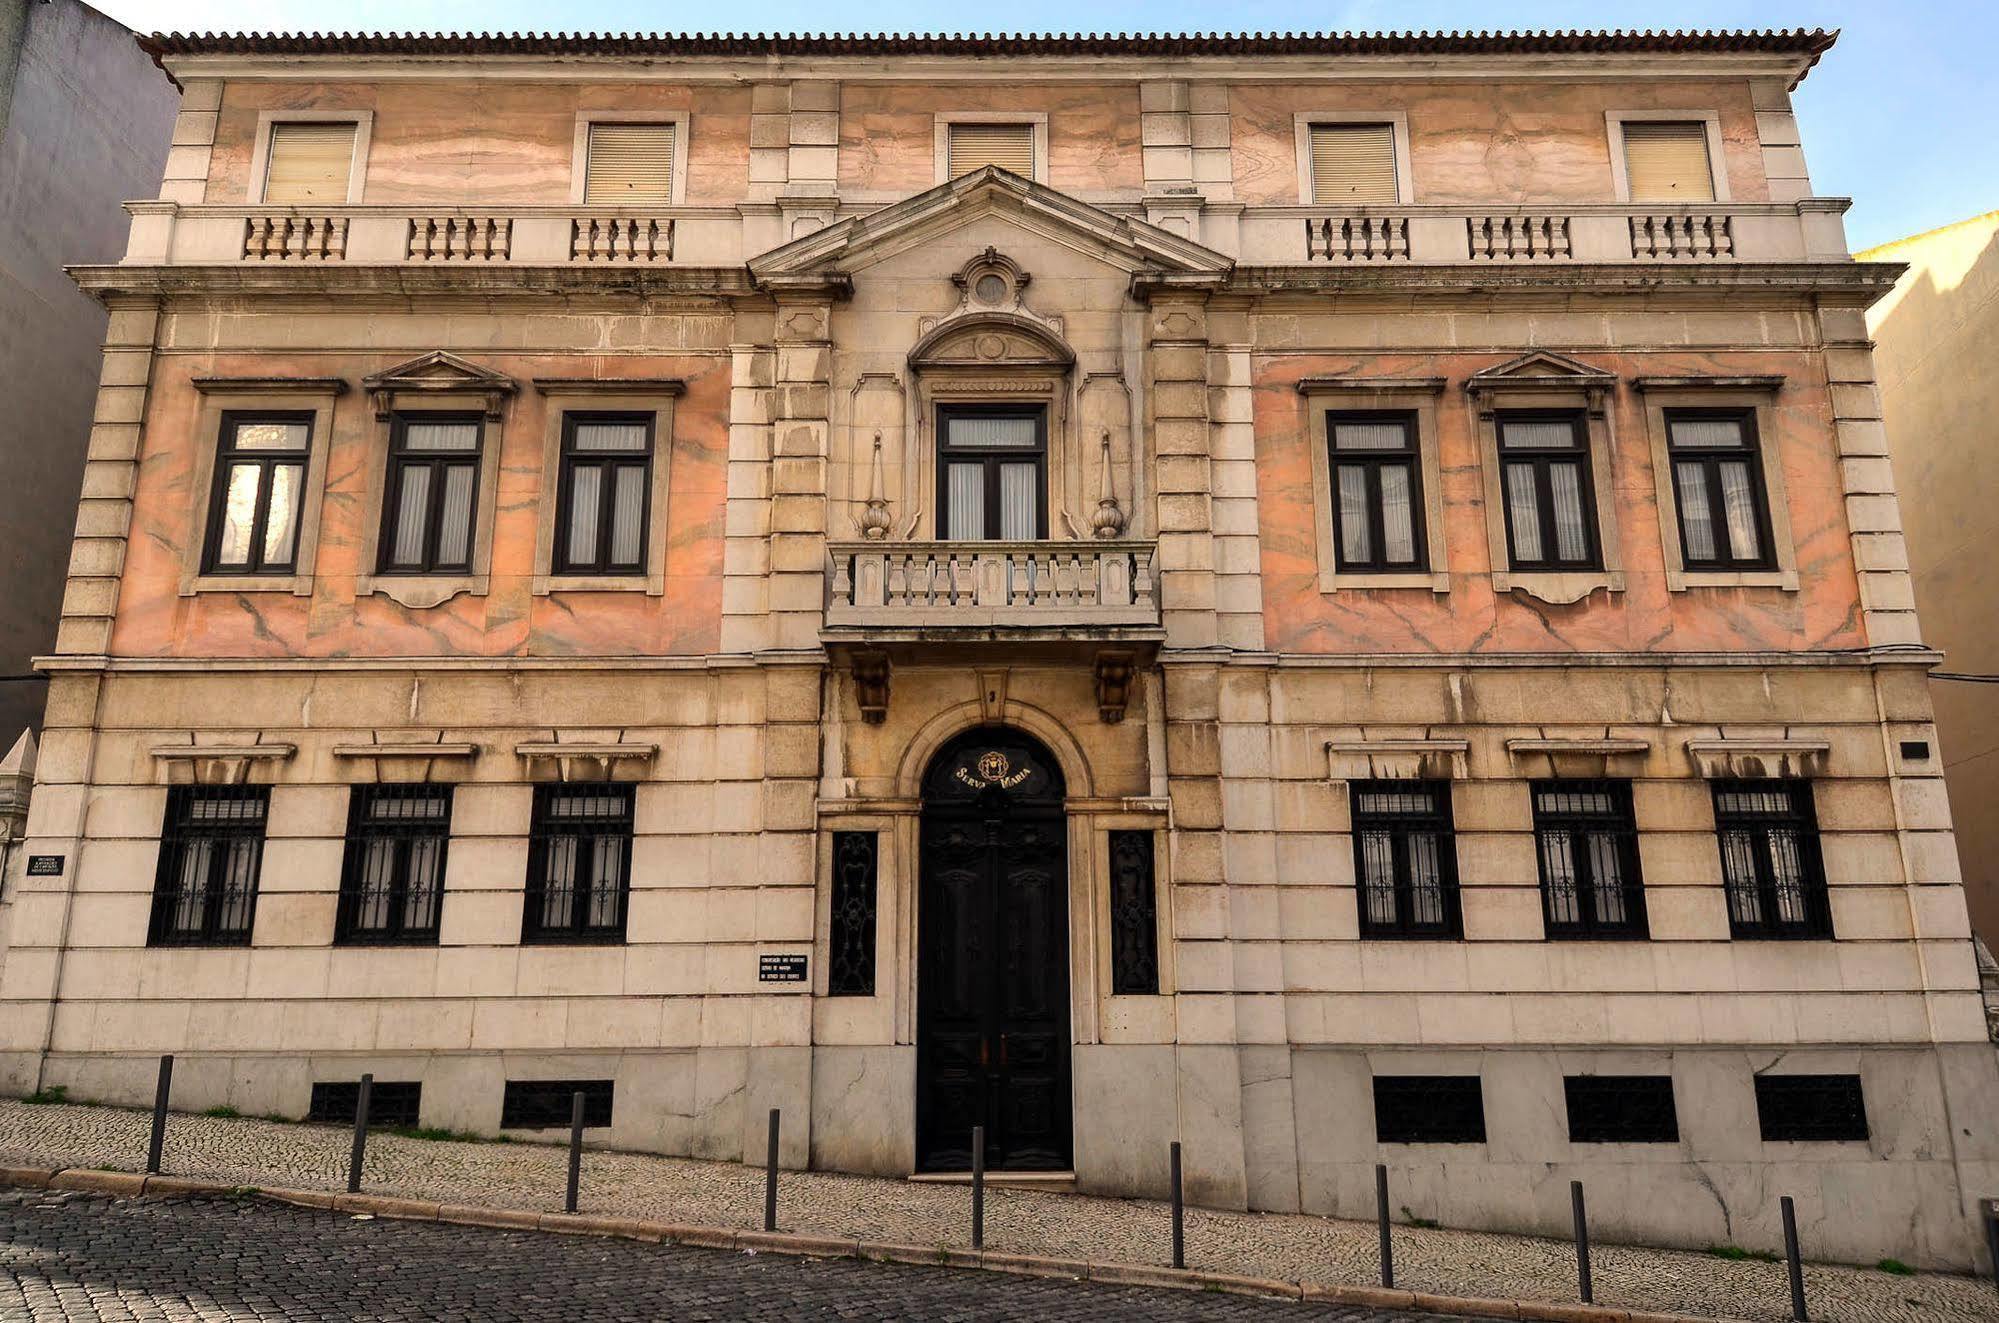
pixel 438 373
pixel 992 340
pixel 1540 374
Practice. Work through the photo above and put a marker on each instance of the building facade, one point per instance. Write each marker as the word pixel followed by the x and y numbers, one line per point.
pixel 1934 337
pixel 1334 599
pixel 84 123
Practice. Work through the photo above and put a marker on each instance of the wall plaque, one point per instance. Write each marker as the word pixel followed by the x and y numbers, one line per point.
pixel 45 865
pixel 780 969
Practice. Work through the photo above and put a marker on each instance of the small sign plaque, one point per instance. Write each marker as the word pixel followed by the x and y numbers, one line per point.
pixel 45 865
pixel 780 969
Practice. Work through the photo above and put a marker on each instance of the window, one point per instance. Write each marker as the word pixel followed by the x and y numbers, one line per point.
pixel 389 1103
pixel 991 464
pixel 579 856
pixel 545 1104
pixel 1377 491
pixel 1353 164
pixel 253 520
pixel 1429 1109
pixel 1621 1109
pixel 975 146
pixel 1550 514
pixel 392 884
pixel 1587 840
pixel 602 494
pixel 1810 1107
pixel 629 165
pixel 1134 916
pixel 211 847
pixel 1718 487
pixel 309 162
pixel 433 479
pixel 1405 857
pixel 850 960
pixel 1770 859
pixel 1668 161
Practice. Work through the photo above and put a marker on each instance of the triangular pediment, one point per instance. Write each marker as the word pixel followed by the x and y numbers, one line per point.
pixel 1541 368
pixel 435 373
pixel 1124 241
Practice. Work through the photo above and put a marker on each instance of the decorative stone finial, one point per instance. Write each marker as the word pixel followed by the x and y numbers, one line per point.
pixel 875 517
pixel 1108 521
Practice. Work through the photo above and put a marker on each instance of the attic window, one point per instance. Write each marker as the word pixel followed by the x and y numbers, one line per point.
pixel 629 164
pixel 975 146
pixel 1667 161
pixel 310 162
pixel 1353 164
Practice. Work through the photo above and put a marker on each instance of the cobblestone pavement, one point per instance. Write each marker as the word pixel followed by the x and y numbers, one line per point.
pixel 250 1152
pixel 68 1256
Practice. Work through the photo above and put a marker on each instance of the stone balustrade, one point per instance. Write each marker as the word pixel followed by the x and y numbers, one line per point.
pixel 460 238
pixel 171 233
pixel 893 586
pixel 294 238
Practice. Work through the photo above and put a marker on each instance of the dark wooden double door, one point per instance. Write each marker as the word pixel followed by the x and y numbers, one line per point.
pixel 993 959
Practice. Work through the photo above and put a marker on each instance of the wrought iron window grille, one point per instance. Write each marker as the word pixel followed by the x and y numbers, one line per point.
pixel 392 880
pixel 1822 1108
pixel 1405 857
pixel 1429 1109
pixel 850 955
pixel 211 852
pixel 1134 915
pixel 544 1104
pixel 579 863
pixel 1621 1109
pixel 1771 867
pixel 1586 842
pixel 390 1103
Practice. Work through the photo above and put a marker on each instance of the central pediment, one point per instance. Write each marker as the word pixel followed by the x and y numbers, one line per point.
pixel 1135 245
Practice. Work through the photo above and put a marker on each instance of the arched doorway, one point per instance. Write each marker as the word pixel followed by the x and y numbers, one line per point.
pixel 992 997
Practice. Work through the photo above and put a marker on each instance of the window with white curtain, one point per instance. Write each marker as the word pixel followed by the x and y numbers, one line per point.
pixel 428 513
pixel 253 525
pixel 1550 501
pixel 602 494
pixel 1724 512
pixel 991 472
pixel 1377 491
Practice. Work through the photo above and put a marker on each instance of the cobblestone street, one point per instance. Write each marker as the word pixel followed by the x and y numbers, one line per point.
pixel 76 1257
pixel 531 1176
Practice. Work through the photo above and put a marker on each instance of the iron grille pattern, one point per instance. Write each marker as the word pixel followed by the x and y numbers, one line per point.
pixel 1621 1109
pixel 1811 1107
pixel 1429 1109
pixel 850 956
pixel 544 1104
pixel 1405 857
pixel 1770 859
pixel 1587 839
pixel 392 882
pixel 390 1102
pixel 1134 915
pixel 211 850
pixel 579 863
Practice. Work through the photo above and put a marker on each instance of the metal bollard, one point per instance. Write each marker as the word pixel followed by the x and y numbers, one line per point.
pixel 1381 1218
pixel 1583 1282
pixel 770 1176
pixel 360 1134
pixel 1991 1207
pixel 1791 1257
pixel 575 1150
pixel 1179 1211
pixel 158 1145
pixel 978 1187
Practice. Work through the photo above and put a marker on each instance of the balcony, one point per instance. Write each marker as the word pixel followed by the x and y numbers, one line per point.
pixel 993 589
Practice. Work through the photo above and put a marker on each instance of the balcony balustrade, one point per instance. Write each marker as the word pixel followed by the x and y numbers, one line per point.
pixel 1074 588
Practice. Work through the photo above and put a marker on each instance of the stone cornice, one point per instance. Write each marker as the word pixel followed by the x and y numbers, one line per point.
pixel 362 281
pixel 1871 279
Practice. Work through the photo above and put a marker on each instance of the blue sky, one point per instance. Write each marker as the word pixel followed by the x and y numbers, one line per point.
pixel 1893 117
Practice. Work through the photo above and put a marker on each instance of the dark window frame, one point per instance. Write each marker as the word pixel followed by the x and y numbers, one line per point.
pixel 365 827
pixel 1621 823
pixel 1420 1109
pixel 401 462
pixel 545 1104
pixel 227 457
pixel 851 924
pixel 1621 1109
pixel 1410 457
pixel 1839 1100
pixel 182 829
pixel 1543 460
pixel 1134 913
pixel 991 459
pixel 1710 460
pixel 608 462
pixel 1801 817
pixel 1400 827
pixel 543 830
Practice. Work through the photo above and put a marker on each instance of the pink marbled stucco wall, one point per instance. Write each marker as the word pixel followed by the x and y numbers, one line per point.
pixel 154 620
pixel 1472 617
pixel 888 133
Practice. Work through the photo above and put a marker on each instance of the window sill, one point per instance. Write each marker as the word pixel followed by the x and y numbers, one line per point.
pixel 426 940
pixel 544 584
pixel 1557 587
pixel 1351 580
pixel 298 584
pixel 421 591
pixel 1679 581
pixel 574 939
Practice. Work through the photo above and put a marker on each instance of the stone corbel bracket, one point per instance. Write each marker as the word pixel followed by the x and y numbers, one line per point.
pixel 1113 671
pixel 872 672
pixel 1413 759
pixel 409 760
pixel 215 764
pixel 1578 757
pixel 1748 757
pixel 585 760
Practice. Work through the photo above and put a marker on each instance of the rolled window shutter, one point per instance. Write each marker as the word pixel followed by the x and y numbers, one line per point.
pixel 1668 162
pixel 629 163
pixel 1008 146
pixel 1353 164
pixel 309 163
